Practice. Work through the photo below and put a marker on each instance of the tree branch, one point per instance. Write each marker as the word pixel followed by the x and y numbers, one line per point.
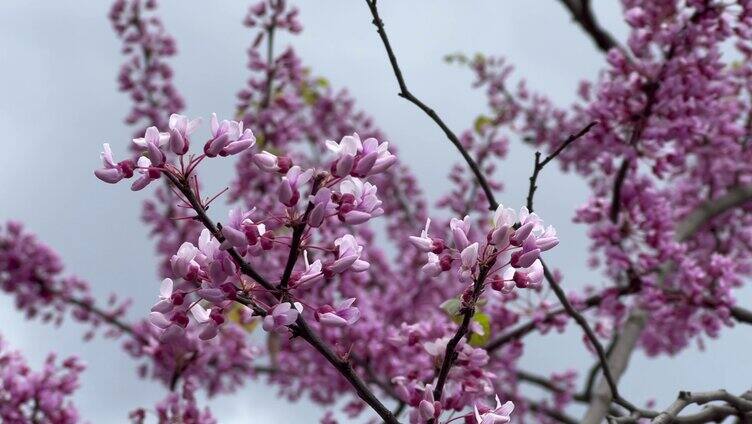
pixel 450 355
pixel 539 165
pixel 407 95
pixel 582 13
pixel 740 406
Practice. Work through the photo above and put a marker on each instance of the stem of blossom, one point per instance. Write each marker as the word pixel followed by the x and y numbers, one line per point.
pixel 180 367
pixel 270 69
pixel 582 13
pixel 450 355
pixel 120 325
pixel 741 314
pixel 587 391
pixel 407 95
pixel 545 383
pixel 530 326
pixel 539 164
pixel 201 215
pixel 297 235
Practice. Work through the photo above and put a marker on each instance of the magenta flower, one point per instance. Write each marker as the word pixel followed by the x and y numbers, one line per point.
pixel 460 229
pixel 323 207
pixel 113 172
pixel 428 408
pixel 228 138
pixel 358 202
pixel 313 272
pixel 348 256
pixel 208 321
pixel 499 415
pixel 269 162
pixel 339 315
pixel 153 141
pixel 358 158
pixel 288 192
pixel 148 173
pixel 469 257
pixel 183 264
pixel 426 243
pixel 180 129
pixel 165 303
pixel 281 317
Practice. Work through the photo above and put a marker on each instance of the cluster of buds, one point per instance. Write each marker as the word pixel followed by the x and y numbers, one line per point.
pixel 510 250
pixel 210 277
pixel 227 138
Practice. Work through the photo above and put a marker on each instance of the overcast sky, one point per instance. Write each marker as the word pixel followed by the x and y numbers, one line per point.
pixel 58 103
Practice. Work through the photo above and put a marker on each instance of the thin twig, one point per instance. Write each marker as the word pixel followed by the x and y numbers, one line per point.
pixel 450 355
pixel 407 95
pixel 540 164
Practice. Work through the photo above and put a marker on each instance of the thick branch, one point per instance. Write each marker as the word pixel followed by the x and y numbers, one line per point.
pixel 740 406
pixel 407 95
pixel 582 13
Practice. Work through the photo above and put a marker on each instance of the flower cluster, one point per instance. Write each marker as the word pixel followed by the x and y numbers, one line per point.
pixel 32 273
pixel 507 253
pixel 30 396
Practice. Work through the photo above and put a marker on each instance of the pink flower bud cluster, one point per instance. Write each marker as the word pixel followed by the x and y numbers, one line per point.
pixel 145 76
pixel 509 251
pixel 44 396
pixel 32 273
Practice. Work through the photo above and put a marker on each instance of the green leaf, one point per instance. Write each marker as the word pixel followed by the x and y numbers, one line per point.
pixel 478 340
pixel 235 315
pixel 451 307
pixel 481 122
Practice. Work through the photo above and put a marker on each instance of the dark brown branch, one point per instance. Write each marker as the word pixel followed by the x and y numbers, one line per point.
pixel 345 368
pixel 468 311
pixel 297 235
pixel 582 322
pixel 407 95
pixel 582 13
pixel 523 329
pixel 540 164
pixel 741 314
pixel 547 384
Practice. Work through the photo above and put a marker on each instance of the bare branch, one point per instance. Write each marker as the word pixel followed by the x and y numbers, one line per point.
pixel 582 13
pixel 407 95
pixel 539 164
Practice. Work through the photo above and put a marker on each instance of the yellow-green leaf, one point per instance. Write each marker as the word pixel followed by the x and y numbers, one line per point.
pixel 476 339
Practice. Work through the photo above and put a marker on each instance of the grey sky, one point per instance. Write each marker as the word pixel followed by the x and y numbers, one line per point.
pixel 59 103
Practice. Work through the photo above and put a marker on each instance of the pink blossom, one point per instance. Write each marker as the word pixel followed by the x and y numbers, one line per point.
pixel 498 415
pixel 281 317
pixel 339 315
